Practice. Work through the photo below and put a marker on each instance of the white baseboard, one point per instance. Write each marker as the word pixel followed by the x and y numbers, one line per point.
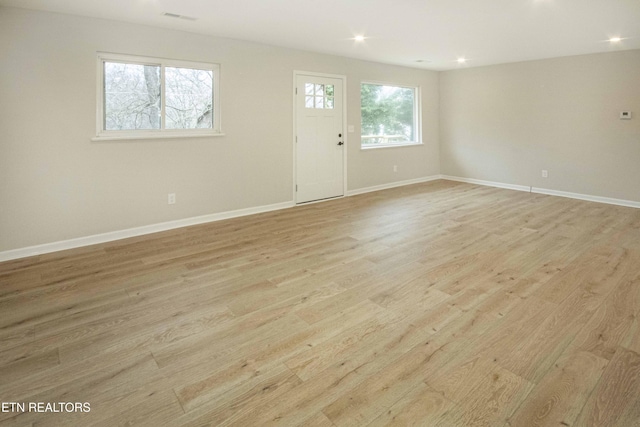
pixel 137 231
pixel 392 185
pixel 170 225
pixel 488 183
pixel 586 197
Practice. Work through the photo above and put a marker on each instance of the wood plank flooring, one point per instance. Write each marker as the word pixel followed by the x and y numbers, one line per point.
pixel 437 304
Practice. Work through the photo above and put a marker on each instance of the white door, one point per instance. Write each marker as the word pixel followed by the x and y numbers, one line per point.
pixel 319 138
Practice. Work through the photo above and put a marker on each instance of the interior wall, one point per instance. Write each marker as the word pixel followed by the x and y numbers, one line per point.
pixel 56 184
pixel 506 123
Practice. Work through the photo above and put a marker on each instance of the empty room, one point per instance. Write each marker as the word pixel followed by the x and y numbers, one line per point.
pixel 301 213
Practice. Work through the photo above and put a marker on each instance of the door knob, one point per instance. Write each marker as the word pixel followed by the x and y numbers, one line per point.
pixel 340 143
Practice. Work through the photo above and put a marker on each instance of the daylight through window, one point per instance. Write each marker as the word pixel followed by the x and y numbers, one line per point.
pixel 318 96
pixel 147 97
pixel 390 115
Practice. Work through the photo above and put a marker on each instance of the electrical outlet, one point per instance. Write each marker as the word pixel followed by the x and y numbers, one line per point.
pixel 171 198
pixel 395 168
pixel 545 173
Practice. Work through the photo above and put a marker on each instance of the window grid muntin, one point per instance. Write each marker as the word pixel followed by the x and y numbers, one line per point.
pixel 319 96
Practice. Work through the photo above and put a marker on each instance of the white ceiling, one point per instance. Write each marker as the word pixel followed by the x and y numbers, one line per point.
pixel 397 31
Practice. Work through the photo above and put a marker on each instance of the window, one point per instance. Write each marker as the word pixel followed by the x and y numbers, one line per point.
pixel 318 96
pixel 390 115
pixel 142 97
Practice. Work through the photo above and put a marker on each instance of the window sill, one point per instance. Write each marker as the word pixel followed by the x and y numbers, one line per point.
pixel 167 135
pixel 376 146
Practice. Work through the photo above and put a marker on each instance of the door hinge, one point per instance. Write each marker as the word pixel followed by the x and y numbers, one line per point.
pixel 296 187
pixel 296 91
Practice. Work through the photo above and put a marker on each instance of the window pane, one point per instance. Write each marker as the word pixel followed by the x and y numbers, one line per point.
pixel 319 102
pixel 308 88
pixel 329 103
pixel 329 90
pixel 319 89
pixel 387 114
pixel 131 96
pixel 189 98
pixel 308 102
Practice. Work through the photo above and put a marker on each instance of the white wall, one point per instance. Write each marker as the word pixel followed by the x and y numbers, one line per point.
pixel 506 123
pixel 499 123
pixel 55 184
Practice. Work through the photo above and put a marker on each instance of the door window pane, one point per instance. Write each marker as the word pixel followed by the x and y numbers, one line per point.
pixel 329 90
pixel 308 102
pixel 319 96
pixel 308 88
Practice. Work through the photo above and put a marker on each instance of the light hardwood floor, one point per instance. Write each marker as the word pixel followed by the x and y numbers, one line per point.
pixel 438 304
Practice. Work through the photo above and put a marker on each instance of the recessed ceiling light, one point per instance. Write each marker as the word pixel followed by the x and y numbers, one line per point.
pixel 462 60
pixel 615 39
pixel 359 38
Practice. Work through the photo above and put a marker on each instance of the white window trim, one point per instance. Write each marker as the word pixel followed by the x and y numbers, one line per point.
pixel 390 145
pixel 116 135
pixel 417 114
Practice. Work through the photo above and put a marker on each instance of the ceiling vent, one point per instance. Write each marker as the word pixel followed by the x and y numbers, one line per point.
pixel 175 15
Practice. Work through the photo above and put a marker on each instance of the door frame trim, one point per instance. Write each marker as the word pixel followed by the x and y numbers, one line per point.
pixel 297 73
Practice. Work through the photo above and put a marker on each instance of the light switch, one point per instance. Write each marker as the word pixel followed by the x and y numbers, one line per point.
pixel 625 115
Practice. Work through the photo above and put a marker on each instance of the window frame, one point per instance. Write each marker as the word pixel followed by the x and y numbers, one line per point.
pixel 417 115
pixel 105 135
